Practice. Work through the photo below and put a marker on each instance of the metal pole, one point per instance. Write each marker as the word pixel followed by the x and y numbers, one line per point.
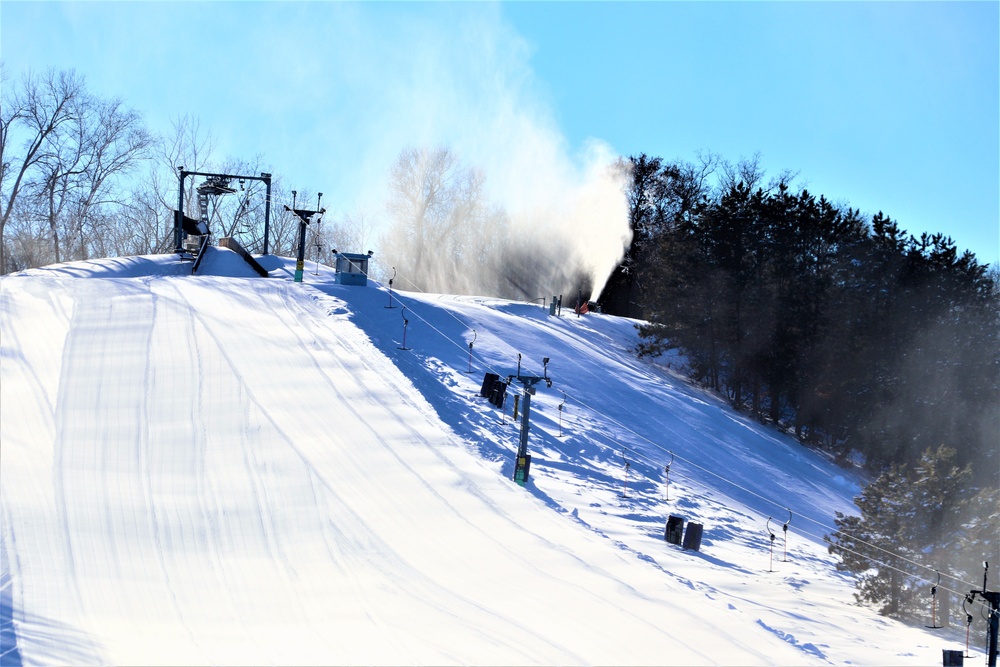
pixel 968 627
pixel 666 473
pixel 179 216
pixel 300 257
pixel 521 464
pixel 179 220
pixel 267 210
pixel 406 323
pixel 993 597
pixel 784 528
pixel 770 567
pixel 471 343
pixel 390 287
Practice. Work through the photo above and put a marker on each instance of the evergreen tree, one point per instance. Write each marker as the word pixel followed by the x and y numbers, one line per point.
pixel 620 294
pixel 910 517
pixel 661 196
pixel 980 539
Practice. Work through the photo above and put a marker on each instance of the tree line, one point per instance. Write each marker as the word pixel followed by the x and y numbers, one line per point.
pixel 843 329
pixel 917 521
pixel 62 151
pixel 878 346
pixel 81 177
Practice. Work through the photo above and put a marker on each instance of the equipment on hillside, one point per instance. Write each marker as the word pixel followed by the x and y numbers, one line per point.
pixel 214 185
pixel 470 349
pixel 666 475
pixel 561 407
pixel 406 323
pixel 390 287
pixel 770 567
pixel 692 536
pixel 784 528
pixel 674 532
pixel 968 622
pixel 305 217
pixel 993 627
pixel 522 462
pixel 934 590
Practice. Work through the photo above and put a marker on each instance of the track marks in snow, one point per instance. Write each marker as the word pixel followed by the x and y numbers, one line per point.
pixel 304 501
pixel 406 461
pixel 347 372
pixel 784 636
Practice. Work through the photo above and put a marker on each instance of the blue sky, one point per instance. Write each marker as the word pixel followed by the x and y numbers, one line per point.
pixel 887 106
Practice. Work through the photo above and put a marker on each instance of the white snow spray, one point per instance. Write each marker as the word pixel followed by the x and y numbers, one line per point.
pixel 458 77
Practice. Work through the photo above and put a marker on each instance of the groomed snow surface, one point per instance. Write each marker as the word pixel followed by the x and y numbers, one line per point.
pixel 228 469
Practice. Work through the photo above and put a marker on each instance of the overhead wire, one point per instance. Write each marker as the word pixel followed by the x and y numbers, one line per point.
pixel 656 464
pixel 888 566
pixel 463 348
pixel 773 502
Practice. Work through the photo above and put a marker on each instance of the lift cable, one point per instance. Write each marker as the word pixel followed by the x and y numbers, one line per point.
pixel 657 464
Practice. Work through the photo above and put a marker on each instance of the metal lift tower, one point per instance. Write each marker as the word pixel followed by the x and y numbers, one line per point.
pixel 217 178
pixel 522 463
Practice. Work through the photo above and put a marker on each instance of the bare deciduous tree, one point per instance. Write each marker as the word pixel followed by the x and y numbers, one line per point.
pixel 115 142
pixel 444 235
pixel 353 232
pixel 65 152
pixel 32 115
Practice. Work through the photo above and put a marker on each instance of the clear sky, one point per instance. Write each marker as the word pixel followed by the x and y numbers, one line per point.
pixel 887 106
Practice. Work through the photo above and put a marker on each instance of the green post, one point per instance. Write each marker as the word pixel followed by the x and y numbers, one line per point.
pixel 300 259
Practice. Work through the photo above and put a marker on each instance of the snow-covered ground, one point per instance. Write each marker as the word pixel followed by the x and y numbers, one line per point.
pixel 227 469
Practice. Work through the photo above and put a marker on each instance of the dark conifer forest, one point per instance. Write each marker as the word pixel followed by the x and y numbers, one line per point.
pixel 844 329
pixel 880 347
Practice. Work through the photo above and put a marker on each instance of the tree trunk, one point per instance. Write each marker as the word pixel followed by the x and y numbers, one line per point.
pixel 775 399
pixel 893 593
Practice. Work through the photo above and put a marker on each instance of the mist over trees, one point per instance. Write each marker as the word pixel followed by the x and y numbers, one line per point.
pixel 925 514
pixel 442 231
pixel 83 178
pixel 846 330
pixel 444 235
pixel 878 346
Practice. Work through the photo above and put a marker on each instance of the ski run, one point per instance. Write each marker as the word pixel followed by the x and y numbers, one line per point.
pixel 227 469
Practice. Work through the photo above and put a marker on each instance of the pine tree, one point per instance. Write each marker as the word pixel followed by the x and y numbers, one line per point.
pixel 980 540
pixel 910 525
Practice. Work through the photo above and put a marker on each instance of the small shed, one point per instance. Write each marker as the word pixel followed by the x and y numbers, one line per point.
pixel 351 268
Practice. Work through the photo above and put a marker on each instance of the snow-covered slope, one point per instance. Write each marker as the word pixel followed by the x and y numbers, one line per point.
pixel 227 469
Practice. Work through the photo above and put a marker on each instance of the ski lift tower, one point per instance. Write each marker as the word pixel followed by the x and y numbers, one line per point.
pixel 214 185
pixel 992 598
pixel 305 217
pixel 522 463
